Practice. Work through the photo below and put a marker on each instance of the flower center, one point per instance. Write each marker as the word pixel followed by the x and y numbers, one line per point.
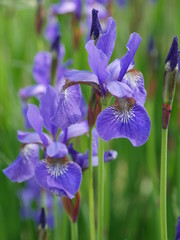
pixel 56 168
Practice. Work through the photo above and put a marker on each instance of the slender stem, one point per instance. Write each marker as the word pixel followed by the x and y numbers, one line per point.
pixel 56 218
pixel 74 231
pixel 91 191
pixel 163 183
pixel 100 188
pixel 64 225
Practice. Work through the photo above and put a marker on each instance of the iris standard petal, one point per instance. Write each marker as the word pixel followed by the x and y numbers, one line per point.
pixel 68 111
pixel 106 41
pixel 98 62
pixel 23 167
pixel 42 68
pixel 62 179
pixel 127 59
pixel 134 79
pixel 47 108
pixel 130 120
pixel 57 150
pixel 36 121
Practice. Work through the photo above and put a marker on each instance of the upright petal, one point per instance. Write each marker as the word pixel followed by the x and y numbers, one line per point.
pixel 68 111
pixel 62 179
pixel 98 62
pixel 48 105
pixel 107 40
pixel 134 79
pixel 128 120
pixel 127 59
pixel 42 68
pixel 36 122
pixel 23 167
pixel 119 89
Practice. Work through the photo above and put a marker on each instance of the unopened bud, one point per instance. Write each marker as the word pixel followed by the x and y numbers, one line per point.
pixel 169 81
pixel 94 108
pixel 42 228
pixel 40 17
pixel 96 29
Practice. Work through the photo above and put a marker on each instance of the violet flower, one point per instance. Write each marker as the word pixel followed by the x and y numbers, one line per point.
pixel 178 229
pixel 128 117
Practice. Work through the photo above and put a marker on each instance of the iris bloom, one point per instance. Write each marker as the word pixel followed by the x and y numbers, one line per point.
pixel 127 118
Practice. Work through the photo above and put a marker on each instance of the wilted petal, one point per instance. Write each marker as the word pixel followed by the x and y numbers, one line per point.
pixel 127 59
pixel 62 179
pixel 42 68
pixel 68 111
pixel 23 167
pixel 57 150
pixel 98 62
pixel 48 105
pixel 32 91
pixel 129 120
pixel 107 40
pixel 119 89
pixel 134 79
pixel 36 121
pixel 74 130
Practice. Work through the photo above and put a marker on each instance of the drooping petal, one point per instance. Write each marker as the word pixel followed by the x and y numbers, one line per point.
pixel 81 76
pixel 129 120
pixel 127 59
pixel 98 62
pixel 48 105
pixel 119 89
pixel 57 150
pixel 42 68
pixel 107 40
pixel 75 130
pixel 62 179
pixel 36 121
pixel 32 91
pixel 23 167
pixel 68 111
pixel 134 79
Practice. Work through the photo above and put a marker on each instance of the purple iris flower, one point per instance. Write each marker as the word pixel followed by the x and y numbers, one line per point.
pixel 178 230
pixel 128 117
pixel 31 194
pixel 82 159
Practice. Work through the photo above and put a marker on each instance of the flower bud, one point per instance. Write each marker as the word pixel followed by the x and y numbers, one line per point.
pixel 94 108
pixel 42 228
pixel 169 81
pixel 96 29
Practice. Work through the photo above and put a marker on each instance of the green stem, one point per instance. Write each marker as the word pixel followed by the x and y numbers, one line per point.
pixel 100 188
pixel 74 231
pixel 163 183
pixel 91 191
pixel 64 225
pixel 56 218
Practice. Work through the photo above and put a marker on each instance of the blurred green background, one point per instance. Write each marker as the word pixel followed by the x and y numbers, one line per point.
pixel 132 180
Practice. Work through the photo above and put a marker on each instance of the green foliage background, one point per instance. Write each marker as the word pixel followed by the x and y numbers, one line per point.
pixel 131 181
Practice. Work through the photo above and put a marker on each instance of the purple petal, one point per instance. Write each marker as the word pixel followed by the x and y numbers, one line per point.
pixel 48 105
pixel 23 167
pixel 110 155
pixel 134 79
pixel 52 30
pixel 32 91
pixel 28 137
pixel 81 76
pixel 36 121
pixel 178 229
pixel 68 111
pixel 107 40
pixel 74 130
pixel 98 62
pixel 114 69
pixel 132 47
pixel 24 111
pixel 42 68
pixel 57 150
pixel 62 179
pixel 64 7
pixel 126 121
pixel 119 89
